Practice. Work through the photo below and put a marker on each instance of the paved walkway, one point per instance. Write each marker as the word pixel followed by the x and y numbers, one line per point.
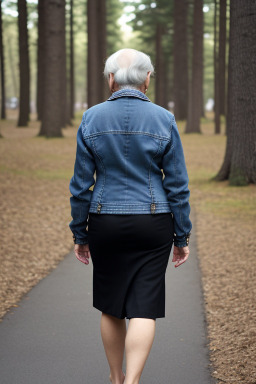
pixel 53 336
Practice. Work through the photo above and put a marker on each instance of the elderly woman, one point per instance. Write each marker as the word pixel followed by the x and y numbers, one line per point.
pixel 138 208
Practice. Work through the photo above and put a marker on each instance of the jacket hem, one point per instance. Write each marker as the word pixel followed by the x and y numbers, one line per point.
pixel 129 208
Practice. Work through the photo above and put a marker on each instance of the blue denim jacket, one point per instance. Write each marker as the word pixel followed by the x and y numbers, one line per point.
pixel 128 141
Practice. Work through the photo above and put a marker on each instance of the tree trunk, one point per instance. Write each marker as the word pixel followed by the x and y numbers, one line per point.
pixel 24 65
pixel 40 58
pixel 65 117
pixel 103 85
pixel 53 112
pixel 160 85
pixel 69 59
pixel 180 60
pixel 222 56
pixel 196 87
pixel 96 13
pixel 13 67
pixel 3 112
pixel 239 165
pixel 92 55
pixel 166 80
pixel 216 73
pixel 71 64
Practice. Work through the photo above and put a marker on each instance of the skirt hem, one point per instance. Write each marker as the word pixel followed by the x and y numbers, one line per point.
pixel 129 316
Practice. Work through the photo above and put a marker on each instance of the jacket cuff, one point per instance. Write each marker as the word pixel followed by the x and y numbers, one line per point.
pixel 182 241
pixel 81 241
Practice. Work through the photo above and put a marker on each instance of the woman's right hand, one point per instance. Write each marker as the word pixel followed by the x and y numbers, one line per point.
pixel 180 255
pixel 82 253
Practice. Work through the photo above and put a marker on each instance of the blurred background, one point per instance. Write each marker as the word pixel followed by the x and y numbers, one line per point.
pixel 184 42
pixel 52 56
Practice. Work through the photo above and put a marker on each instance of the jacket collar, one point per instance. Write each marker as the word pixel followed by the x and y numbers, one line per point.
pixel 128 92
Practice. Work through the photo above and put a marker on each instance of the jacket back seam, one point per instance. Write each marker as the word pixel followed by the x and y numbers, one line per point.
pixel 88 136
pixel 149 173
pixel 103 167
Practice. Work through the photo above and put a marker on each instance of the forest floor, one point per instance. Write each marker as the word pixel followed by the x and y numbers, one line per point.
pixel 35 213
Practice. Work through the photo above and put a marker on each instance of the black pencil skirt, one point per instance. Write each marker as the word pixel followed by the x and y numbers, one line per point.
pixel 130 254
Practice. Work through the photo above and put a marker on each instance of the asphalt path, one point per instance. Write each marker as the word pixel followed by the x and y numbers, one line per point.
pixel 53 336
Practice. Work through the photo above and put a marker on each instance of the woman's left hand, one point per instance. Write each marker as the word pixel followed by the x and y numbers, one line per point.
pixel 180 255
pixel 82 253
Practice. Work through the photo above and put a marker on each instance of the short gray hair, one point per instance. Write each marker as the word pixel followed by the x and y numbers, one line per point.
pixel 129 66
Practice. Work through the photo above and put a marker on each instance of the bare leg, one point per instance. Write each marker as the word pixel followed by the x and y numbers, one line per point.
pixel 113 332
pixel 138 343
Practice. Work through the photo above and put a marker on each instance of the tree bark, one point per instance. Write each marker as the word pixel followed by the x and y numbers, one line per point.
pixel 69 77
pixel 71 64
pixel 92 55
pixel 216 72
pixel 222 56
pixel 239 165
pixel 24 65
pixel 96 89
pixel 195 102
pixel 3 112
pixel 103 85
pixel 180 60
pixel 40 58
pixel 52 120
pixel 13 66
pixel 160 85
pixel 65 117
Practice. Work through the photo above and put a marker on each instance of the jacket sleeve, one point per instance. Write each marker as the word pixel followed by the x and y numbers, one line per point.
pixel 176 185
pixel 80 183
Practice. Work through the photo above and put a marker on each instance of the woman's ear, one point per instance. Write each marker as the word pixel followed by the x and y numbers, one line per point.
pixel 147 79
pixel 111 81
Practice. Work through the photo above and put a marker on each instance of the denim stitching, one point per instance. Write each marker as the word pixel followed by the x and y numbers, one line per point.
pixel 170 127
pixel 117 97
pixel 181 218
pixel 126 144
pixel 128 133
pixel 127 212
pixel 103 167
pixel 125 157
pixel 83 179
pixel 83 123
pixel 131 204
pixel 125 208
pixel 175 169
pixel 150 185
pixel 128 92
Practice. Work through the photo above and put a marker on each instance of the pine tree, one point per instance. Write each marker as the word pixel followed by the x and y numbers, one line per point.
pixel 114 11
pixel 24 64
pixel 239 166
pixel 40 58
pixel 154 23
pixel 54 35
pixel 3 113
pixel 96 15
pixel 222 56
pixel 71 63
pixel 216 70
pixel 195 104
pixel 180 55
